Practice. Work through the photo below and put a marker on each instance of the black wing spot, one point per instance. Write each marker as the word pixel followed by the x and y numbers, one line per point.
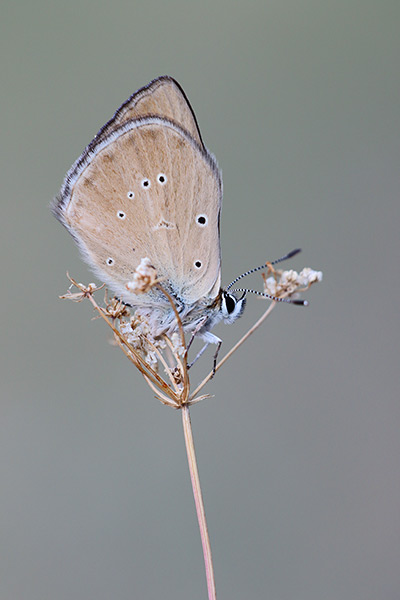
pixel 202 220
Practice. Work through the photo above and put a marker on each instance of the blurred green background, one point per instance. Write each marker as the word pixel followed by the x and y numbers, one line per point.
pixel 299 448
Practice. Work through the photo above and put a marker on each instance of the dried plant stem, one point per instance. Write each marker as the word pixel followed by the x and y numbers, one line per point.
pixel 233 349
pixel 173 389
pixel 185 373
pixel 198 498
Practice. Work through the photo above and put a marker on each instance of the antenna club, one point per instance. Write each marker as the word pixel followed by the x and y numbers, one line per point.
pixel 291 254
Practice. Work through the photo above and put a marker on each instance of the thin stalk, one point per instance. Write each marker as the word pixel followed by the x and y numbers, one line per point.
pixel 198 499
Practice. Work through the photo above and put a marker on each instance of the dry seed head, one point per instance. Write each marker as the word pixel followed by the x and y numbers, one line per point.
pixel 138 334
pixel 309 276
pixel 144 277
pixel 177 375
pixel 135 335
pixel 115 308
pixel 286 283
pixel 177 345
pixel 84 291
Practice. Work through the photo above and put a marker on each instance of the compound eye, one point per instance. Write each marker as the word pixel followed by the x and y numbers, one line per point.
pixel 230 303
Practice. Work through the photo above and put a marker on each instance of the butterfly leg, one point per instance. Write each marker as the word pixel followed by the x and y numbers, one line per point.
pixel 216 357
pixel 209 338
pixel 198 355
pixel 194 333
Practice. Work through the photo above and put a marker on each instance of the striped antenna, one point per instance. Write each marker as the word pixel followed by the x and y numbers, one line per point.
pixel 288 300
pixel 275 262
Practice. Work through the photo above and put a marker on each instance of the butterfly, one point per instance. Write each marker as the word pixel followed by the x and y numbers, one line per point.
pixel 147 187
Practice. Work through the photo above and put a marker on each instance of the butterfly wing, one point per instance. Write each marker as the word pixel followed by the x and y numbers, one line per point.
pixel 162 97
pixel 147 189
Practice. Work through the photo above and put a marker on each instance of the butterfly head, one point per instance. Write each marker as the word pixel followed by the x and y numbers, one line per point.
pixel 231 307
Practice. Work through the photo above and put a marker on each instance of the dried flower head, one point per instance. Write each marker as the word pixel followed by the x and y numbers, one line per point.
pixel 85 291
pixel 144 277
pixel 285 283
pixel 114 308
pixel 153 354
pixel 139 335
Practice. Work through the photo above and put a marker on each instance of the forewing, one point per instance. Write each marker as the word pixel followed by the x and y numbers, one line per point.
pixel 162 97
pixel 148 189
